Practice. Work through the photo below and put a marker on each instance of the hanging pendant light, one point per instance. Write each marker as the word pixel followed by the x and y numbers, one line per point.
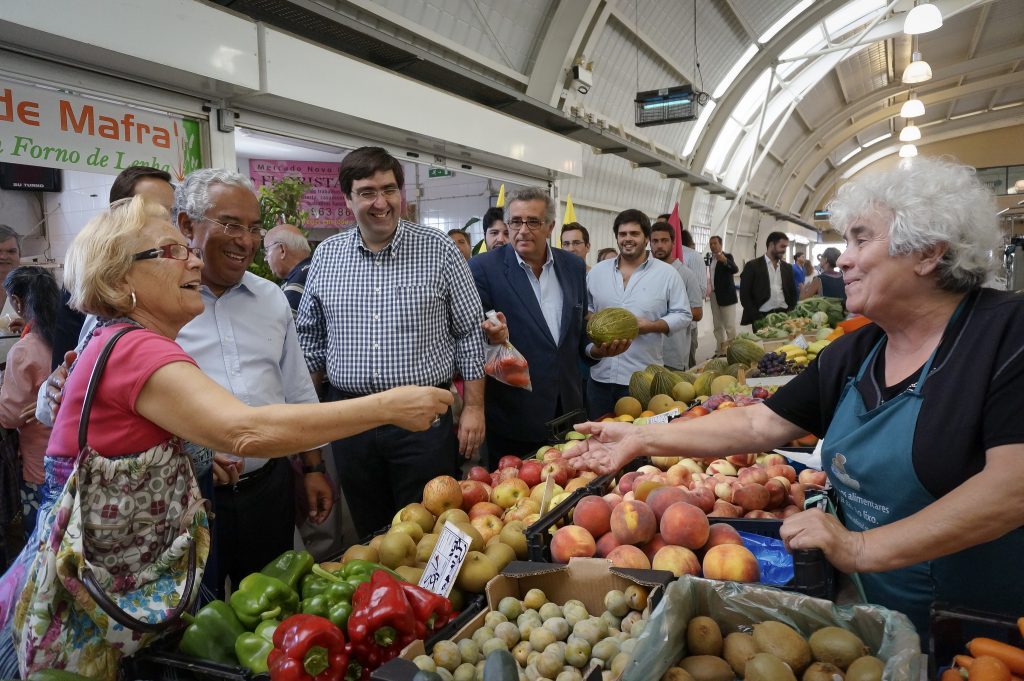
pixel 908 151
pixel 912 108
pixel 910 133
pixel 917 71
pixel 922 19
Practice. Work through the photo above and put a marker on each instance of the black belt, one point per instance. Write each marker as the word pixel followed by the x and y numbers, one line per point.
pixel 336 394
pixel 247 479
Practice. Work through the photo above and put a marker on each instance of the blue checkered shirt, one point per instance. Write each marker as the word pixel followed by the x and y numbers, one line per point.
pixel 407 315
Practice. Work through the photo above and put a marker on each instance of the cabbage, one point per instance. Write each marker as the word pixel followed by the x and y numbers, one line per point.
pixel 820 318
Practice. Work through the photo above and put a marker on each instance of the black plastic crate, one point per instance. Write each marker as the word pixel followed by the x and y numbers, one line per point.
pixel 162 662
pixel 950 628
pixel 813 575
pixel 538 538
pixel 603 485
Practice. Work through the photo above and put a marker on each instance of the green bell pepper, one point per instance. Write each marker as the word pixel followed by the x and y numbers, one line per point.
pixel 360 567
pixel 337 611
pixel 211 633
pixel 290 567
pixel 321 582
pixel 261 597
pixel 252 648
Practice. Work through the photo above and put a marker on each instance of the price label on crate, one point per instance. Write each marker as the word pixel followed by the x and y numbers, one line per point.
pixel 549 492
pixel 446 560
pixel 663 417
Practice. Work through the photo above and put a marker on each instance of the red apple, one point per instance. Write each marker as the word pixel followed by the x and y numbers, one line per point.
pixel 485 508
pixel 556 469
pixel 441 494
pixel 530 472
pixel 480 474
pixel 509 461
pixel 509 492
pixel 473 492
pixel 551 454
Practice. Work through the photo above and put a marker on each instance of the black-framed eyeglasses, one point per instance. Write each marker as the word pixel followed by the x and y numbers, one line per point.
pixel 573 244
pixel 372 194
pixel 172 251
pixel 235 230
pixel 533 224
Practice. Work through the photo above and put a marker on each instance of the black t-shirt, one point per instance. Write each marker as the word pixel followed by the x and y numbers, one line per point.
pixel 973 398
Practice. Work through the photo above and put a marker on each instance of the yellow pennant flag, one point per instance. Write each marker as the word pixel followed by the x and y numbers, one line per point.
pixel 501 197
pixel 570 212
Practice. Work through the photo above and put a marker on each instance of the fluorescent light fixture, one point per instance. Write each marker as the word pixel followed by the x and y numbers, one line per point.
pixel 784 21
pixel 912 108
pixel 910 133
pixel 917 71
pixel 721 88
pixel 922 19
pixel 908 151
pixel 850 155
pixel 878 139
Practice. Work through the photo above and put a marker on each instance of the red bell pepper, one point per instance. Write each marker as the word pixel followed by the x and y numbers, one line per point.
pixel 382 622
pixel 431 610
pixel 308 648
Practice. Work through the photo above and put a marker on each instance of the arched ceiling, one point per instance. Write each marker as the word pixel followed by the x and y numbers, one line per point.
pixel 834 111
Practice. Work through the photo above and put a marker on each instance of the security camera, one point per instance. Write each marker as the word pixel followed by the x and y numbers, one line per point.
pixel 583 78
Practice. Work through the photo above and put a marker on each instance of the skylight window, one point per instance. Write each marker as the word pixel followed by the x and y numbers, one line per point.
pixel 811 41
pixel 723 145
pixel 785 20
pixel 852 15
pixel 698 127
pixel 752 99
pixel 723 86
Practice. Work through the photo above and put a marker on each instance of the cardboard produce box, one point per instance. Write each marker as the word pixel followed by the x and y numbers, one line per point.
pixel 583 579
pixel 735 607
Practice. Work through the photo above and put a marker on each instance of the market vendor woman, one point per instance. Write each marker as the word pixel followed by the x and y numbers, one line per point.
pixel 922 412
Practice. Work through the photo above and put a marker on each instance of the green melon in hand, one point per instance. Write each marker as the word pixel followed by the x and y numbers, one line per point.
pixel 612 324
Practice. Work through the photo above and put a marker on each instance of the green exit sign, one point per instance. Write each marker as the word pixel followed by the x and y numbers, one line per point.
pixel 440 172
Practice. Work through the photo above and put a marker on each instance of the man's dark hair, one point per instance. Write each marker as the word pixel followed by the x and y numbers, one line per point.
pixel 775 237
pixel 605 251
pixel 664 217
pixel 364 162
pixel 37 289
pixel 632 215
pixel 662 226
pixel 686 238
pixel 453 232
pixel 493 214
pixel 124 183
pixel 714 236
pixel 569 226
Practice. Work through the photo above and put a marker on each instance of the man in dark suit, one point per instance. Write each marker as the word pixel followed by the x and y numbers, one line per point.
pixel 722 293
pixel 767 284
pixel 542 293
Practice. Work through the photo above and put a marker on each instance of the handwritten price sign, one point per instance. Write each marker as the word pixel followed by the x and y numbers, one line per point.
pixel 446 560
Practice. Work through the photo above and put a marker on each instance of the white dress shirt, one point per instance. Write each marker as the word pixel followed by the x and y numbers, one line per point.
pixel 548 292
pixel 777 298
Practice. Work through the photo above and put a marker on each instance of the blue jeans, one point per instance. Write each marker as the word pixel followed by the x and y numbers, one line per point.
pixel 601 397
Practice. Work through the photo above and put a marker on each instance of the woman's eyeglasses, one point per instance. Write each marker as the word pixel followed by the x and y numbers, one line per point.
pixel 172 251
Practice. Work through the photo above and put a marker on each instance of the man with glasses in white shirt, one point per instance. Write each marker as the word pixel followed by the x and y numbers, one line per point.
pixel 388 304
pixel 576 239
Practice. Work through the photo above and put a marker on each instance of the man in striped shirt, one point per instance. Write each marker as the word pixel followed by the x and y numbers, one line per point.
pixel 387 304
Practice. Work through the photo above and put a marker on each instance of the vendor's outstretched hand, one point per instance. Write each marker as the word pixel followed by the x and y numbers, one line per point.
pixel 611 446
pixel 414 408
pixel 814 529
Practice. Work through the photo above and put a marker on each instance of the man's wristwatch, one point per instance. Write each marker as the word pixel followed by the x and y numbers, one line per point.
pixel 317 468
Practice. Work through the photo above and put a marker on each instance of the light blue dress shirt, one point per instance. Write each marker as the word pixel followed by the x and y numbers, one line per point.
pixel 655 291
pixel 245 340
pixel 677 345
pixel 548 292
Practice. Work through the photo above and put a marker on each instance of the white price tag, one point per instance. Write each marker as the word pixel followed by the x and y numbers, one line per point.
pixel 663 417
pixel 549 492
pixel 446 560
pixel 800 342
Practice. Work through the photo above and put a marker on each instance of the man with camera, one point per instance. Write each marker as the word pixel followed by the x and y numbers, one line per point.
pixel 722 293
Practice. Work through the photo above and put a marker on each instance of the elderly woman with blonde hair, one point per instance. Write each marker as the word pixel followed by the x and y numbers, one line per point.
pixel 920 412
pixel 132 268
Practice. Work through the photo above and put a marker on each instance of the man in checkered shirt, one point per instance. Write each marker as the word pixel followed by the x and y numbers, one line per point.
pixel 388 304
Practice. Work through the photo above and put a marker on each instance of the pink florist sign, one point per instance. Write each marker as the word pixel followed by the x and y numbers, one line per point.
pixel 325 201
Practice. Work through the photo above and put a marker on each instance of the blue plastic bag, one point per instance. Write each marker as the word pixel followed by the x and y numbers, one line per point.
pixel 775 562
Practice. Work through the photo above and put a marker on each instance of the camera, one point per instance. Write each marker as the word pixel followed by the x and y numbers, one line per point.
pixel 707 259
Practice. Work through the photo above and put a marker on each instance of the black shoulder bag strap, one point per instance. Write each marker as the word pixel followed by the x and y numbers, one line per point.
pixel 94 589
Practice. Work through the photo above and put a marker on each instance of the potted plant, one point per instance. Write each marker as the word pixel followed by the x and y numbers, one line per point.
pixel 279 204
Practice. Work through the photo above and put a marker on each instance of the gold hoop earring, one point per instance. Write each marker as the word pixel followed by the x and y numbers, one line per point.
pixel 133 301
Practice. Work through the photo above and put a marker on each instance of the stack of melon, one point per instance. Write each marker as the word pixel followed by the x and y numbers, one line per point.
pixel 656 389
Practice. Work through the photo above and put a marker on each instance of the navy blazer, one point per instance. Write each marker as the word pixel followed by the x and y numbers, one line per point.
pixel 516 413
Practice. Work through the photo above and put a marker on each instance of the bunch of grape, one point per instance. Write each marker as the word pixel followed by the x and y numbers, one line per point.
pixel 776 364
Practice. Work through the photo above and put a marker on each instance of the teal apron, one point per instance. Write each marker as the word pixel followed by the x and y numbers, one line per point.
pixel 868 455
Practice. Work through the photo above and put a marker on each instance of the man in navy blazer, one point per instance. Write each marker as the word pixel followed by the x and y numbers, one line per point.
pixel 542 293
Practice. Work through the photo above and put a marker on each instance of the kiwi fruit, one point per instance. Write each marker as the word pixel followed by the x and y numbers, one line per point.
pixel 867 668
pixel 707 668
pixel 703 637
pixel 823 671
pixel 836 646
pixel 677 674
pixel 767 667
pixel 783 642
pixel 737 649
